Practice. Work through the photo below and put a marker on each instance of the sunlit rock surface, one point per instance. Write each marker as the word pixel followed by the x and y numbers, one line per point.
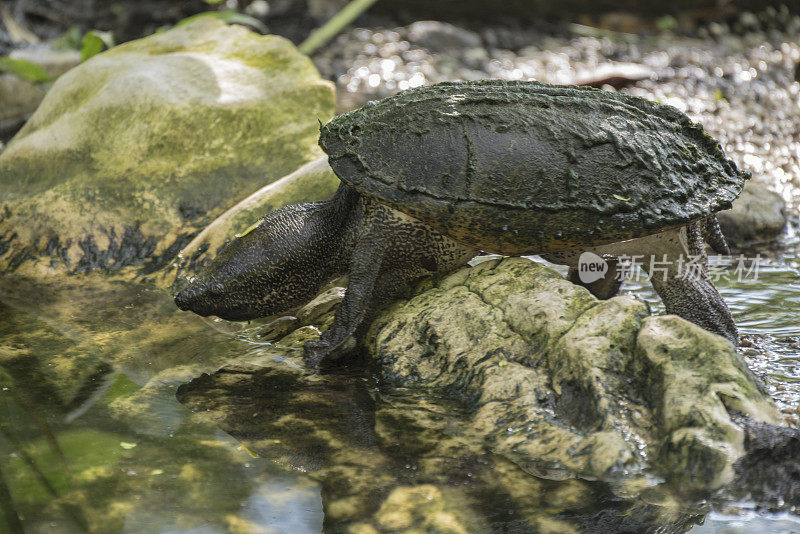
pixel 133 152
pixel 559 382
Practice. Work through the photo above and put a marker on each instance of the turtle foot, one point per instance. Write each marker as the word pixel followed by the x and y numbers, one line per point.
pixel 320 352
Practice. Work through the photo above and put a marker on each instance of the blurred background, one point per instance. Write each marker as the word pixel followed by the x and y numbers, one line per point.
pixel 732 65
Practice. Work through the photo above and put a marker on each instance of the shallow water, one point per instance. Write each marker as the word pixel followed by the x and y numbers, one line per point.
pixel 120 414
pixel 766 307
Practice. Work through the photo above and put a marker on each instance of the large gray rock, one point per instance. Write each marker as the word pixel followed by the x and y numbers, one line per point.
pixel 136 150
pixel 757 216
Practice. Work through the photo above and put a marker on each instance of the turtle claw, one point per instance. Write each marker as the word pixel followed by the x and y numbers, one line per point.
pixel 317 353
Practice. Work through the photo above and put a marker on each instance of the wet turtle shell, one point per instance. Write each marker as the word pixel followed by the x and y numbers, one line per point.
pixel 523 167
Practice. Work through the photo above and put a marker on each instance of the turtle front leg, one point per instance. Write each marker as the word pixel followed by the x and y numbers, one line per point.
pixel 365 269
pixel 392 251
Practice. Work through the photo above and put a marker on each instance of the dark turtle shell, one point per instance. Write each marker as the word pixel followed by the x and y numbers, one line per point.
pixel 524 167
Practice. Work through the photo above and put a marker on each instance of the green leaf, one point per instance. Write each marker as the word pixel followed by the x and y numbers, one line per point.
pixel 94 42
pixel 24 69
pixel 666 23
pixel 621 198
pixel 69 40
pixel 230 16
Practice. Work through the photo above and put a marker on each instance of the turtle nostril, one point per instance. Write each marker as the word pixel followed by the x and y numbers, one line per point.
pixel 187 298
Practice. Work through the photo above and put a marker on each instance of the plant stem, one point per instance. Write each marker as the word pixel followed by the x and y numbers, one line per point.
pixel 328 30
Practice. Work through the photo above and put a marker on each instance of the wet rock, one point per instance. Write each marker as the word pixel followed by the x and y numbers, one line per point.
pixel 321 305
pixel 565 385
pixel 757 216
pixel 770 471
pixel 277 328
pixel 134 151
pixel 440 36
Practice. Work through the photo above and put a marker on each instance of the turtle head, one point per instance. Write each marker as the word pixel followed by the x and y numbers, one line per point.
pixel 277 264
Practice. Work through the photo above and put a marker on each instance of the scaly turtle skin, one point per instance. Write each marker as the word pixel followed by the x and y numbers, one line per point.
pixel 432 176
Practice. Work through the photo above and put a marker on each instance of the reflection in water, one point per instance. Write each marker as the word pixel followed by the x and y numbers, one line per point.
pixel 93 438
pixel 286 507
pixel 400 461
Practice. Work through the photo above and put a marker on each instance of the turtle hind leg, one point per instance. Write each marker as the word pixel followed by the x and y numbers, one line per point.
pixel 604 288
pixel 698 301
pixel 683 283
pixel 713 235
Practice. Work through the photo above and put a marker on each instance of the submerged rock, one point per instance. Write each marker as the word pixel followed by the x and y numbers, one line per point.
pixel 133 152
pixel 566 385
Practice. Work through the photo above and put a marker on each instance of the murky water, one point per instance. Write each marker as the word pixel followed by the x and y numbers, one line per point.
pixel 120 414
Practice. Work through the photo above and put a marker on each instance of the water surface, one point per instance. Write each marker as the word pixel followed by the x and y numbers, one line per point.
pixel 120 414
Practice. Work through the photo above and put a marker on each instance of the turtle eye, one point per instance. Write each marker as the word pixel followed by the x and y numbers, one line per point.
pixel 249 229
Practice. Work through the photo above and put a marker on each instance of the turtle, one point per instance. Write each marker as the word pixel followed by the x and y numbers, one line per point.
pixel 433 176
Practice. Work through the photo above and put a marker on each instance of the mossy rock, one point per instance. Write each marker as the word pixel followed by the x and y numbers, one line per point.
pixel 565 385
pixel 135 151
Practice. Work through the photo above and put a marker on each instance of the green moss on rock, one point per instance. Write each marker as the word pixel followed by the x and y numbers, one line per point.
pixel 564 385
pixel 140 147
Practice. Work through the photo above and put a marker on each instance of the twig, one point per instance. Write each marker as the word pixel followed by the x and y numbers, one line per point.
pixel 339 21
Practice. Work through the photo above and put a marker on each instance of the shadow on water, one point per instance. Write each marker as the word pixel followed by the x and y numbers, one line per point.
pixel 120 414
